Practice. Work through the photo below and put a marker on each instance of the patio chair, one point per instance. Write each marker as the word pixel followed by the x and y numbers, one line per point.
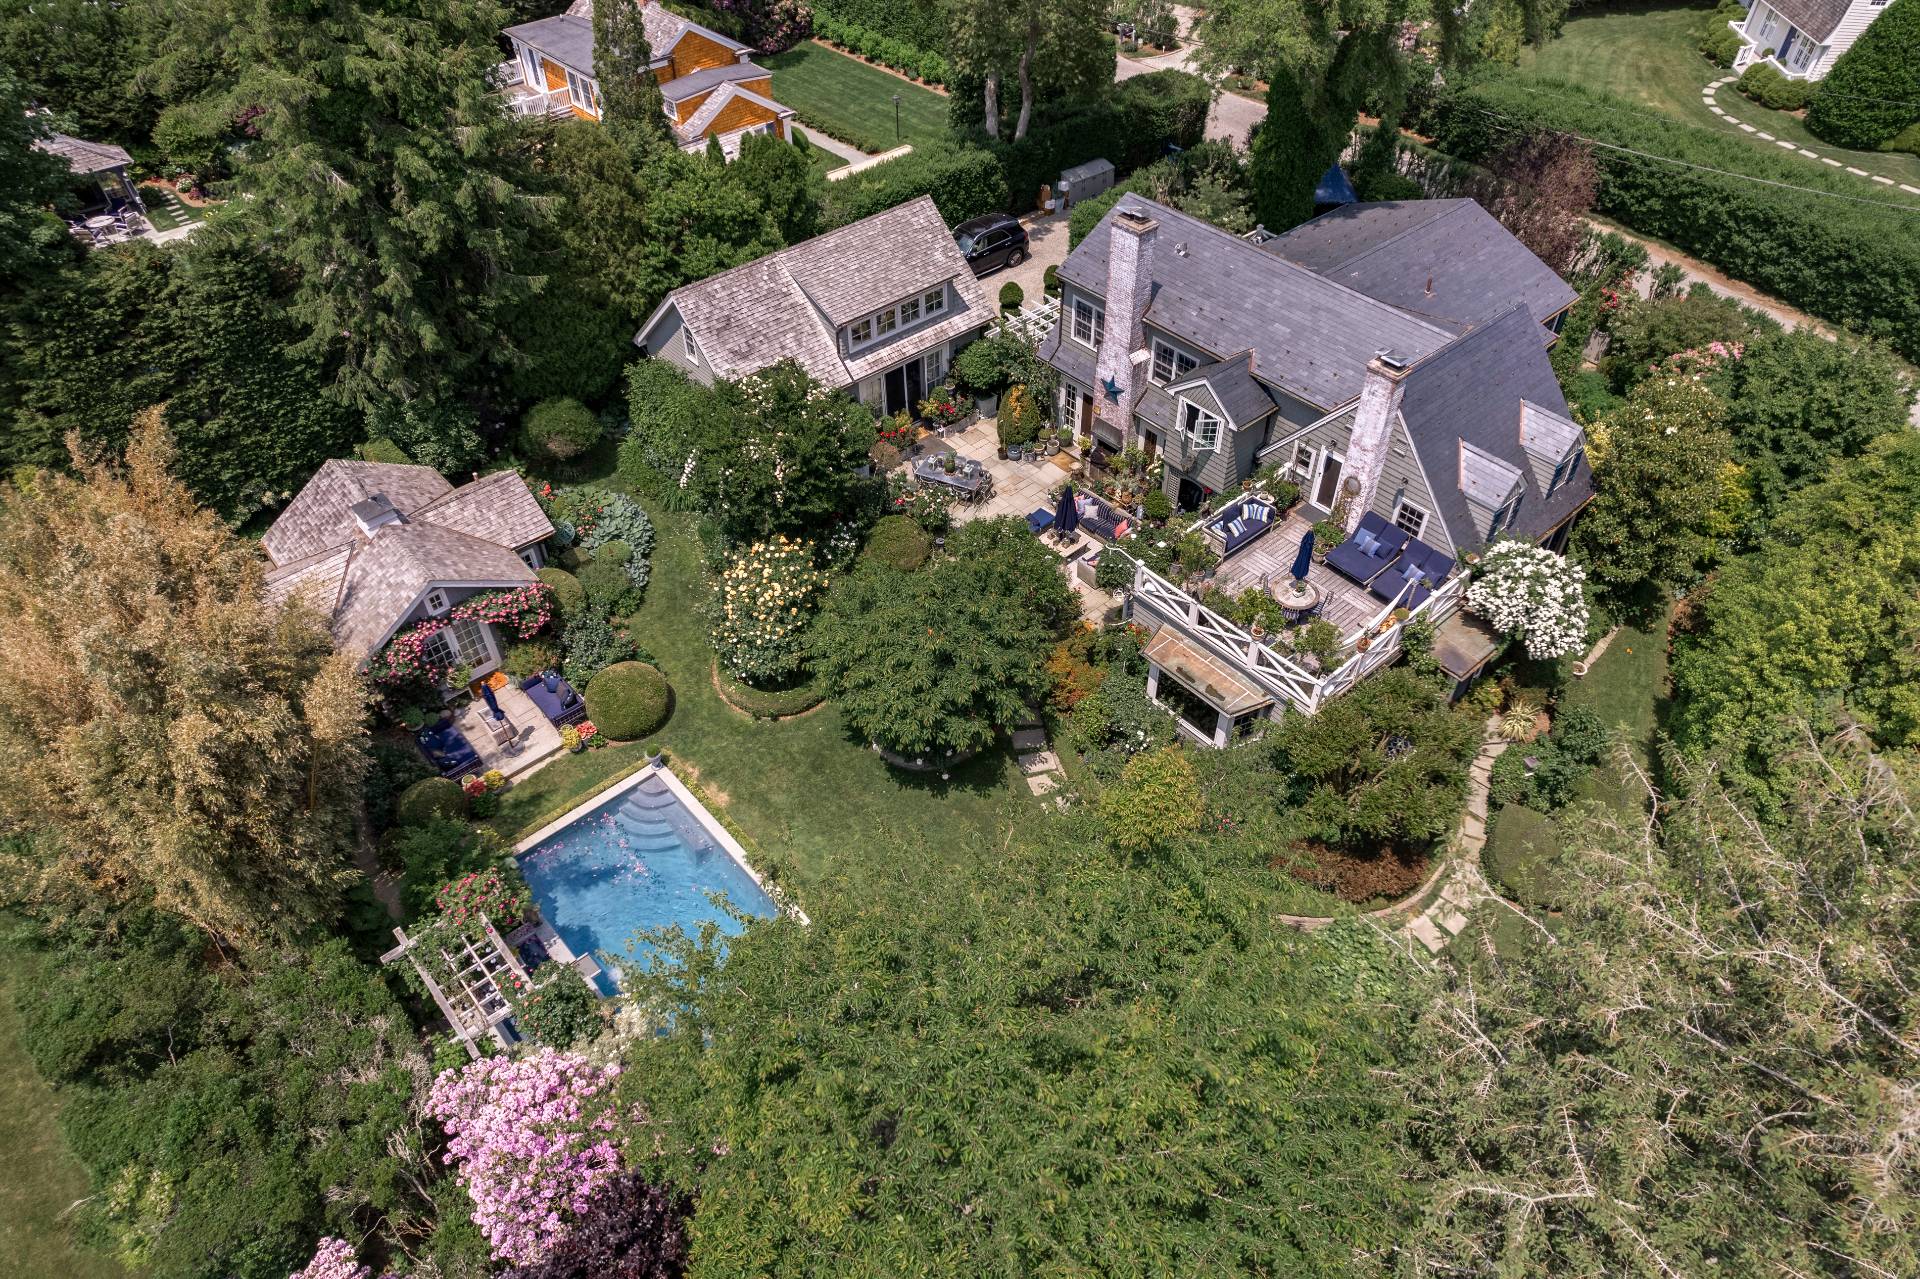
pixel 555 698
pixel 1413 576
pixel 1366 554
pixel 447 749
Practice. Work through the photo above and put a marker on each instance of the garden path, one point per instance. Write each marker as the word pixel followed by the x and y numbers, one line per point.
pixel 1707 96
pixel 1463 886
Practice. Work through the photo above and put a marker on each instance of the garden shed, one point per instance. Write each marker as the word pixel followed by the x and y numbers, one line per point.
pixel 1084 181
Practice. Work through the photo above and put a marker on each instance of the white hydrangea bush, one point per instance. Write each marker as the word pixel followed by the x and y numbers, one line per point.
pixel 1529 592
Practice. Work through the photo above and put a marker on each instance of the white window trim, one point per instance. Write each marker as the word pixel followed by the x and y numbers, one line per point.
pixel 1174 356
pixel 1097 326
pixel 1421 511
pixel 894 316
pixel 1503 519
pixel 1201 418
pixel 934 302
pixel 686 342
pixel 531 558
pixel 1563 472
pixel 437 603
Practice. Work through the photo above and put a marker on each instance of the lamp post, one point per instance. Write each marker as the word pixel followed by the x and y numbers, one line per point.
pixel 896 117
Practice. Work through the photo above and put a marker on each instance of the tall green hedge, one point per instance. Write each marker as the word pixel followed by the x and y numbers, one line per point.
pixel 1856 264
pixel 916 22
pixel 1870 94
pixel 965 181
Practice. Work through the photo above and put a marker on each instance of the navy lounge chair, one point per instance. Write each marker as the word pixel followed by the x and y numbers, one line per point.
pixel 1245 523
pixel 447 749
pixel 1418 571
pixel 1368 551
pixel 555 697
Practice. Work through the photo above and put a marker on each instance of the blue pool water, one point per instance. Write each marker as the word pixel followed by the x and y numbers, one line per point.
pixel 640 860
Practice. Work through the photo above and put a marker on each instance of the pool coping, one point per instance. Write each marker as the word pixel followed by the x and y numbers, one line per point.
pixel 689 801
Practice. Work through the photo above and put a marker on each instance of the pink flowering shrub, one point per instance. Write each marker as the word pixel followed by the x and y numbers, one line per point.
pixel 522 611
pixel 333 1259
pixel 531 1140
pixel 499 895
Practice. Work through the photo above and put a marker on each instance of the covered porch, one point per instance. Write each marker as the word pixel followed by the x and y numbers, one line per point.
pixel 1210 702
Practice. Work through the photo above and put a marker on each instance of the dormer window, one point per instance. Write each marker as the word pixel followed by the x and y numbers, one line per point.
pixel 901 315
pixel 1563 472
pixel 1200 427
pixel 935 302
pixel 1504 518
pixel 437 603
pixel 686 342
pixel 1169 363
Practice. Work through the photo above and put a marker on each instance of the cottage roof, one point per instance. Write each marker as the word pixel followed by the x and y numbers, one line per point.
pixel 1815 18
pixel 1462 404
pixel 1448 260
pixel 698 82
pixel 389 572
pixel 320 516
pixel 565 38
pixel 791 303
pixel 84 157
pixel 717 101
pixel 1231 381
pixel 663 28
pixel 1312 336
pixel 497 508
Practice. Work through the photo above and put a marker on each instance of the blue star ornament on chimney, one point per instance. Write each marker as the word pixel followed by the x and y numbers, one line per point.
pixel 1112 388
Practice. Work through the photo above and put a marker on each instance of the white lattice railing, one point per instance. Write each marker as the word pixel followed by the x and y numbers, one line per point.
pixel 1036 321
pixel 1279 677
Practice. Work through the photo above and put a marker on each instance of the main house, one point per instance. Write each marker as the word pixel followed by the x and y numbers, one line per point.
pixel 1391 358
pixel 1802 38
pixel 710 84
pixel 376 546
pixel 876 308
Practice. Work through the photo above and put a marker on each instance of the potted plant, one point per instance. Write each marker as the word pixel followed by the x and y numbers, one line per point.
pixel 949 463
pixel 1402 614
pixel 1327 535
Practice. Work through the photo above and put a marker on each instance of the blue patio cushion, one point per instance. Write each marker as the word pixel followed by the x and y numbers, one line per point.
pixel 1364 541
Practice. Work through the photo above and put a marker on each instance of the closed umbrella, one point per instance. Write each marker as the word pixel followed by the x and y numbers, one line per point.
pixel 1066 520
pixel 1304 560
pixel 493 703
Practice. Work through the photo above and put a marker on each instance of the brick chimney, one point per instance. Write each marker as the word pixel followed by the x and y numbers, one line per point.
pixel 1373 419
pixel 1129 289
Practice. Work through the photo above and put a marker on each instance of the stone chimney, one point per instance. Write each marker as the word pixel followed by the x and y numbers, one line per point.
pixel 1373 419
pixel 1129 289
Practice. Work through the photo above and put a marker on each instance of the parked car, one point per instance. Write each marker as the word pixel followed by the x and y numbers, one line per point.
pixel 991 242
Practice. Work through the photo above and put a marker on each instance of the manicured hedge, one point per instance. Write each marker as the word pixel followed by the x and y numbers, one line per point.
pixel 888 51
pixel 1765 85
pixel 922 23
pixel 1869 95
pixel 964 182
pixel 1856 264
pixel 770 703
pixel 629 700
pixel 569 597
pixel 427 799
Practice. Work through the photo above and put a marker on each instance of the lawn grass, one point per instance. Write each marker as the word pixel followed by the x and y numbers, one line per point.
pixel 816 804
pixel 1650 56
pixel 846 98
pixel 43 1178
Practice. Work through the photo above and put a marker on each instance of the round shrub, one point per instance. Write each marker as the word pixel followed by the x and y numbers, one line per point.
pixel 569 597
pixel 530 657
pixel 606 584
pixel 1011 296
pixel 629 700
pixel 1050 282
pixel 429 798
pixel 615 552
pixel 899 542
pixel 558 429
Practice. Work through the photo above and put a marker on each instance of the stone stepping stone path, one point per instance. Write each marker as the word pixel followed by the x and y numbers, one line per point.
pixel 1463 887
pixel 1707 99
pixel 1038 764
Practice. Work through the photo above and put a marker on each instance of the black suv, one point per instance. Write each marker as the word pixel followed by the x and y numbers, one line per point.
pixel 992 242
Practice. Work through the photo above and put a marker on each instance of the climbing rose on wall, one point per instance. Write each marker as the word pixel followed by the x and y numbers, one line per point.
pixel 530 1139
pixel 1529 592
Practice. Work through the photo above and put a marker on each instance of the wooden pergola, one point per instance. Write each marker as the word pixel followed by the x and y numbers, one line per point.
pixel 468 991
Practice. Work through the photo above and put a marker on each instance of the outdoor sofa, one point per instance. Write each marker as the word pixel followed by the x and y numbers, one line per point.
pixel 555 698
pixel 1368 550
pixel 1101 520
pixel 1245 523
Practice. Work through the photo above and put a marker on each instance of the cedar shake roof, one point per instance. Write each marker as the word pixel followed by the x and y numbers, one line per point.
pixel 663 30
pixel 1447 260
pixel 84 158
pixel 698 123
pixel 791 303
pixel 696 82
pixel 1816 18
pixel 367 584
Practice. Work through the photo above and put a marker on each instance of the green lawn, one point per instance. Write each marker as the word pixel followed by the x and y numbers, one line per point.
pixel 849 100
pixel 43 1179
pixel 1651 57
pixel 813 803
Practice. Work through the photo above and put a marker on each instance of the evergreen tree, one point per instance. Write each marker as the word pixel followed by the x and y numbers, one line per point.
pixel 630 104
pixel 30 237
pixel 1289 154
pixel 380 174
pixel 166 733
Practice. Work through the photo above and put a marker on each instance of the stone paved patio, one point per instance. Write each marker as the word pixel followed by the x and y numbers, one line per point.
pixel 534 743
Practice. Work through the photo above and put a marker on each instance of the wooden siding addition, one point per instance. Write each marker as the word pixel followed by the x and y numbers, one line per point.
pixel 694 51
pixel 739 114
pixel 555 73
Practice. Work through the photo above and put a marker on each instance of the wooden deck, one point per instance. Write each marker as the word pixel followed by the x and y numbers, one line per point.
pixel 1346 604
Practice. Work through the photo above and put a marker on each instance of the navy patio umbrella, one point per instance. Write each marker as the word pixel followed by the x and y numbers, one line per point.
pixel 1066 520
pixel 1304 560
pixel 493 703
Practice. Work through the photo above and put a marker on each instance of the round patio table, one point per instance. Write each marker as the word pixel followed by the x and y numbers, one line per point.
pixel 99 222
pixel 1297 599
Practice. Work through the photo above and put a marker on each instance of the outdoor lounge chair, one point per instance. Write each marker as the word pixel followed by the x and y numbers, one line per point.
pixel 558 702
pixel 1247 523
pixel 447 749
pixel 1101 520
pixel 1366 554
pixel 1418 571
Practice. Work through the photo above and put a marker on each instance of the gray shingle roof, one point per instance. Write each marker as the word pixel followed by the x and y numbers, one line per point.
pixel 497 508
pixel 386 574
pixel 1816 18
pixel 1472 393
pixel 565 38
pixel 790 304
pixel 1484 478
pixel 1311 336
pixel 320 517
pixel 663 28
pixel 83 157
pixel 1447 259
pixel 1233 386
pixel 709 77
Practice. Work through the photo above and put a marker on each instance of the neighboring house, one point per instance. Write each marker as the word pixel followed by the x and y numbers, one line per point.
pixel 1391 357
pixel 710 85
pixel 375 546
pixel 103 162
pixel 1802 38
pixel 876 308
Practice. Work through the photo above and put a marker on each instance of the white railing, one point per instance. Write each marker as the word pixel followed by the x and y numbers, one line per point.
pixel 552 102
pixel 506 75
pixel 1034 322
pixel 1254 658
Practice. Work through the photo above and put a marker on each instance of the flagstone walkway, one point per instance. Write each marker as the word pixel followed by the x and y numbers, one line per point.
pixel 1464 886
pixel 1707 96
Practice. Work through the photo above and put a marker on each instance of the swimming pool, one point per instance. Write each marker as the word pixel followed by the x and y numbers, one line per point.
pixel 643 855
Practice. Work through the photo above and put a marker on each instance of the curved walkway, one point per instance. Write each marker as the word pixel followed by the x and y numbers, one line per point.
pixel 1707 99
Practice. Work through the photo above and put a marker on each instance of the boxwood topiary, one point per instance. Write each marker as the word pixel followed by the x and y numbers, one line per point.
pixel 607 585
pixel 1011 296
pixel 569 597
pixel 899 542
pixel 429 798
pixel 558 429
pixel 629 700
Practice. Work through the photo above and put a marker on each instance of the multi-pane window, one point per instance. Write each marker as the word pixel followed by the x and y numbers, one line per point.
pixel 436 603
pixel 686 341
pixel 1169 364
pixel 1410 519
pixel 886 322
pixel 1562 473
pixel 1089 323
pixel 898 316
pixel 1504 518
pixel 910 311
pixel 438 650
pixel 935 302
pixel 862 332
pixel 1202 427
pixel 1070 404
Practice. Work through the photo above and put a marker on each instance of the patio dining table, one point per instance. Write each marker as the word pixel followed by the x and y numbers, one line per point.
pixel 968 476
